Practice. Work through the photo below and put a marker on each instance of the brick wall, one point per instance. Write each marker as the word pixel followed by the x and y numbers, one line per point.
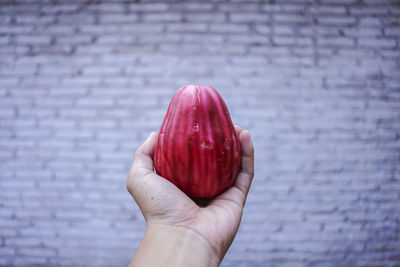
pixel 82 83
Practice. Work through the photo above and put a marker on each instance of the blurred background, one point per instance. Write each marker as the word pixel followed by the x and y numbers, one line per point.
pixel 82 83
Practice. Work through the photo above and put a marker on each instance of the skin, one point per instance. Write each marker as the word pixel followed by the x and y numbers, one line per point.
pixel 179 232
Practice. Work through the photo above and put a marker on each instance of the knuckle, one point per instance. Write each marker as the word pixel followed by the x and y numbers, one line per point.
pixel 251 149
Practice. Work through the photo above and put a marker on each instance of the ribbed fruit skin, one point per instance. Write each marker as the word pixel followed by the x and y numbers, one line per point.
pixel 197 147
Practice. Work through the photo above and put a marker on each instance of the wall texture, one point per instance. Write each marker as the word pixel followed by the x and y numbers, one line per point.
pixel 82 83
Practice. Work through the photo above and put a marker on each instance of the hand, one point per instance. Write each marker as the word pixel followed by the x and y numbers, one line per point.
pixel 208 230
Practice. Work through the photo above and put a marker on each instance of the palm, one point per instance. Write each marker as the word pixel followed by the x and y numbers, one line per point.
pixel 162 202
pixel 217 222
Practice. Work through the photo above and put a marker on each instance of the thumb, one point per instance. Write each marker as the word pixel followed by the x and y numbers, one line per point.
pixel 143 161
pixel 144 154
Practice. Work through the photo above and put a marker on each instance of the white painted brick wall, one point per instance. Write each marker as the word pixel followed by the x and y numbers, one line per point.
pixel 82 83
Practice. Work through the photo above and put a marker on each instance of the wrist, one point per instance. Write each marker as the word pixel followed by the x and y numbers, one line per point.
pixel 168 245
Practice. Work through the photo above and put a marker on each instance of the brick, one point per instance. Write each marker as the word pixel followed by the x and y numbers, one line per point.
pixel 294 8
pixel 283 30
pixel 118 18
pixel 192 27
pixel 37 85
pixel 344 2
pixel 304 61
pixel 337 21
pixel 104 70
pixel 382 43
pixel 112 39
pixel 205 17
pixel 267 51
pixel 61 29
pixel 104 123
pixel 263 29
pixel 76 155
pixel 280 40
pixel 147 102
pixel 392 31
pixel 7 233
pixel 246 39
pixel 7 252
pixel 99 29
pixel 336 10
pixel 76 19
pixel 43 252
pixel 81 83
pixel 16 29
pixel 370 10
pixel 228 28
pixel 363 32
pixel 163 17
pixel 199 38
pixel 27 260
pixel 7 113
pixel 5 19
pixel 93 50
pixel 157 38
pixel 369 21
pixel 148 7
pixel 249 17
pixel 26 8
pixel 53 50
pixel 291 18
pixel 107 8
pixel 33 134
pixel 57 123
pixel 74 39
pixel 70 7
pixel 20 122
pixel 33 40
pixel 337 42
pixel 142 28
pixel 193 6
pixel 238 6
pixel 54 102
pixel 9 81
pixel 23 70
pixel 81 134
pixel 6 154
pixel 33 19
pixel 22 241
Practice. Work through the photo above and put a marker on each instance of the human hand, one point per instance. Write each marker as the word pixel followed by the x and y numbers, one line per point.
pixel 197 235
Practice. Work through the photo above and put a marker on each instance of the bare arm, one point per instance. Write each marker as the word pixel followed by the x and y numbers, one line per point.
pixel 173 246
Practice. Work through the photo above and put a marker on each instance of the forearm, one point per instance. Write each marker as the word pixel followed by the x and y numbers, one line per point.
pixel 164 245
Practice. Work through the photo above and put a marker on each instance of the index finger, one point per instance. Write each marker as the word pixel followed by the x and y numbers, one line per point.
pixel 246 174
pixel 144 154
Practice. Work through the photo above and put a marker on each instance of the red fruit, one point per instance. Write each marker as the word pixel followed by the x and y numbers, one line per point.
pixel 197 147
